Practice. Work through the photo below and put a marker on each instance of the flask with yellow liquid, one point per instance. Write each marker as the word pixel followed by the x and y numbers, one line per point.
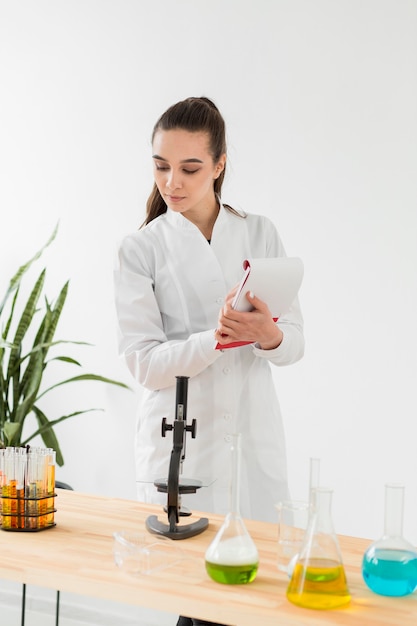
pixel 318 580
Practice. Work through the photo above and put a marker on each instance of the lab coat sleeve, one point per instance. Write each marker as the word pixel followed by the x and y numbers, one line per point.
pixel 291 348
pixel 152 358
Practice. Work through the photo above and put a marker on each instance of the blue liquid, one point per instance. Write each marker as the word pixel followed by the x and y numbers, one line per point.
pixel 390 572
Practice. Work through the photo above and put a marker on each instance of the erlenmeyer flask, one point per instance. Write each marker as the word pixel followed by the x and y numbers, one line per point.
pixel 314 479
pixel 232 556
pixel 389 565
pixel 314 482
pixel 318 580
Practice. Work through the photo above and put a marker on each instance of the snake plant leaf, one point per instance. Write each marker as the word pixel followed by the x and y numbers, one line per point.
pixel 102 379
pixel 16 279
pixel 11 314
pixel 65 359
pixel 31 393
pixel 47 433
pixel 43 341
pixel 24 322
pixel 5 344
pixel 55 313
pixel 11 432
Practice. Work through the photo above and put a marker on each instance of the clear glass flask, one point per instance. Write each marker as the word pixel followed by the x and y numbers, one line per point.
pixel 314 479
pixel 232 557
pixel 318 580
pixel 389 565
pixel 290 534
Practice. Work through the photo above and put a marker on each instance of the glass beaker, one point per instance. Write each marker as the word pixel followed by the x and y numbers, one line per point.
pixel 389 565
pixel 293 516
pixel 232 556
pixel 292 523
pixel 318 580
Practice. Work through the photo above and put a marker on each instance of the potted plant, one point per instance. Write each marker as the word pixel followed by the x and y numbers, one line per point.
pixel 25 343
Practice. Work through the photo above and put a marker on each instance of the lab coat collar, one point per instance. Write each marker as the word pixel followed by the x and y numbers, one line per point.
pixel 179 221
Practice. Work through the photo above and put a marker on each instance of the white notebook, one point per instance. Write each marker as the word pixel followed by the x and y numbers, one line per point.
pixel 276 281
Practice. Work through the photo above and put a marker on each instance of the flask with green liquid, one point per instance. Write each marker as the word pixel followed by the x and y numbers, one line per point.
pixel 232 557
pixel 318 580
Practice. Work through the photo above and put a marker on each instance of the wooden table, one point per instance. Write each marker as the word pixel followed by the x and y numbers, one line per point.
pixel 76 556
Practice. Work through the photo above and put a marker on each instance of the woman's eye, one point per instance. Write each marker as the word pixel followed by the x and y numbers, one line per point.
pixel 190 171
pixel 161 168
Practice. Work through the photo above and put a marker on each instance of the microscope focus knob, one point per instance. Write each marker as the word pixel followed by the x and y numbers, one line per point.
pixel 192 429
pixel 165 427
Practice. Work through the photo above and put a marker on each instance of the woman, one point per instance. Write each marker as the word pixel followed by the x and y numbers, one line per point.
pixel 174 286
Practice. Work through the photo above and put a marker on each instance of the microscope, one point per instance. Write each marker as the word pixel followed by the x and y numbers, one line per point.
pixel 174 486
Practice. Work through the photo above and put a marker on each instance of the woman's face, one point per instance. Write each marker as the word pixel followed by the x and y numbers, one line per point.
pixel 184 171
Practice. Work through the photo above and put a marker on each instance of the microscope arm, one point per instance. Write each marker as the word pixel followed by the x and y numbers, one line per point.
pixel 174 473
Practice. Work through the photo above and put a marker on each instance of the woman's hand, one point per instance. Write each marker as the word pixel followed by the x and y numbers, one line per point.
pixel 253 326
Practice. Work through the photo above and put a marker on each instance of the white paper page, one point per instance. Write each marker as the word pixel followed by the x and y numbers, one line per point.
pixel 276 281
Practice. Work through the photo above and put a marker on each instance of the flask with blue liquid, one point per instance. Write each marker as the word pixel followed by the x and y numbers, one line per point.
pixel 389 565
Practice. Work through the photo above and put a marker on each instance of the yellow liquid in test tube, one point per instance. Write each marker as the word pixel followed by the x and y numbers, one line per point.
pixel 51 491
pixel 5 492
pixel 319 585
pixel 13 503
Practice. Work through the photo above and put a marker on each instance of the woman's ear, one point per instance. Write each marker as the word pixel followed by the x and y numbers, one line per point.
pixel 220 166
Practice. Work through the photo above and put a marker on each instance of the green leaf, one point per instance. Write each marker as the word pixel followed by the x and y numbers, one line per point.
pixel 9 321
pixel 6 344
pixel 102 379
pixel 66 359
pixel 24 323
pixel 31 392
pixel 43 341
pixel 47 433
pixel 16 279
pixel 11 431
pixel 55 315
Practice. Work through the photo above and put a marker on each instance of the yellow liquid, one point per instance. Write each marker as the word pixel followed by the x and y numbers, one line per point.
pixel 13 503
pixel 320 585
pixel 5 491
pixel 51 491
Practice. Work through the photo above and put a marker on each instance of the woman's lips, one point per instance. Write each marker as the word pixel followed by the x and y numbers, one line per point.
pixel 175 198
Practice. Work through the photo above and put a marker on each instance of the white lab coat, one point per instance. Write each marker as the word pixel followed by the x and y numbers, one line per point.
pixel 170 285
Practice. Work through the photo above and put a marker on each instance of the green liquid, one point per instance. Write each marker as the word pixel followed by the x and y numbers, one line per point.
pixel 232 574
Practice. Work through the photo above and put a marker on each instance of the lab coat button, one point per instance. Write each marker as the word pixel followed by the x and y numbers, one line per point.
pixel 226 370
pixel 219 300
pixel 228 438
pixel 227 416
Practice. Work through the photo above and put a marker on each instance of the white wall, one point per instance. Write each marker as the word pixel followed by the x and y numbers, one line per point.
pixel 320 98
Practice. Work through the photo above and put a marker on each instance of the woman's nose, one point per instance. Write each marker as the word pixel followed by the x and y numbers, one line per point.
pixel 173 180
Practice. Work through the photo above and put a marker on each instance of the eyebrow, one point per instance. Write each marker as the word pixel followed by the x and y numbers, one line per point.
pixel 193 160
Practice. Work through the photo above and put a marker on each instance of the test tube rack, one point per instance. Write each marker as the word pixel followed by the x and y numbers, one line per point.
pixel 27 489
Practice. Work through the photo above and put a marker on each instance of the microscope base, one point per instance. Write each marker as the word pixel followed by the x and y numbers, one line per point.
pixel 176 532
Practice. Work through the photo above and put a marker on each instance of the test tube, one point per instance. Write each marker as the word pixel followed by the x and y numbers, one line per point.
pixel 31 490
pixel 42 482
pixel 51 485
pixel 20 461
pixel 2 479
pixel 13 490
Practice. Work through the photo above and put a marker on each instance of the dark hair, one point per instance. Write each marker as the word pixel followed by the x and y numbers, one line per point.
pixel 193 115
